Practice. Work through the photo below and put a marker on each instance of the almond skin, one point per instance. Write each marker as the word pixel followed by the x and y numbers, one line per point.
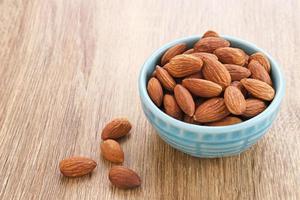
pixel 165 78
pixel 77 166
pixel 209 44
pixel 259 89
pixel 239 86
pixel 216 72
pixel 211 110
pixel 155 91
pixel 124 178
pixel 173 51
pixel 237 72
pixel 115 129
pixel 262 59
pixel 234 100
pixel 184 99
pixel 189 51
pixel 205 55
pixel 254 107
pixel 230 55
pixel 171 107
pixel 230 120
pixel 184 65
pixel 112 151
pixel 201 87
pixel 210 33
pixel 259 72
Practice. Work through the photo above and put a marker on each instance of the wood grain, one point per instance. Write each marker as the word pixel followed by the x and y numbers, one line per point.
pixel 67 67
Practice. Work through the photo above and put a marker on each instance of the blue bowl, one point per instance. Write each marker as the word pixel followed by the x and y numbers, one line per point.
pixel 205 141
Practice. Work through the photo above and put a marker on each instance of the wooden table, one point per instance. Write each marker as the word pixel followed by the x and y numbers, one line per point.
pixel 69 66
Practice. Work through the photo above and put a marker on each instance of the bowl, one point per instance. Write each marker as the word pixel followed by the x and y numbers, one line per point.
pixel 207 141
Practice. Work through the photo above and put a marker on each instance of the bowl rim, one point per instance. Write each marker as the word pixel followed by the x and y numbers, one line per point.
pixel 211 129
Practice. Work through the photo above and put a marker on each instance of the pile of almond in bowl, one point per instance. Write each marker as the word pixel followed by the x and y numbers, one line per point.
pixel 211 84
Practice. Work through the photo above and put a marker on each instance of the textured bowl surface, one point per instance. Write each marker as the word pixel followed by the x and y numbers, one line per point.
pixel 204 141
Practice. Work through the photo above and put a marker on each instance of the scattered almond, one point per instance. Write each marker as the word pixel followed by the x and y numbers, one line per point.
pixel 201 87
pixel 230 120
pixel 77 166
pixel 259 72
pixel 115 129
pixel 262 59
pixel 184 99
pixel 112 151
pixel 234 100
pixel 237 72
pixel 209 44
pixel 230 55
pixel 254 107
pixel 259 89
pixel 171 107
pixel 173 51
pixel 155 91
pixel 165 78
pixel 124 178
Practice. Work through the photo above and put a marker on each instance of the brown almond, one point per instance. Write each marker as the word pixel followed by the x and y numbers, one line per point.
pixel 205 55
pixel 237 72
pixel 124 178
pixel 239 86
pixel 259 72
pixel 190 120
pixel 259 89
pixel 210 33
pixel 254 107
pixel 230 120
pixel 115 129
pixel 171 107
pixel 195 75
pixel 189 51
pixel 184 99
pixel 262 59
pixel 209 44
pixel 234 100
pixel 230 55
pixel 165 78
pixel 153 73
pixel 76 166
pixel 172 52
pixel 155 91
pixel 216 72
pixel 211 110
pixel 112 151
pixel 201 87
pixel 184 65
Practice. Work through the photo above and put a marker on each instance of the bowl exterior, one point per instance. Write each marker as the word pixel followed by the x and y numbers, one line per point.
pixel 203 141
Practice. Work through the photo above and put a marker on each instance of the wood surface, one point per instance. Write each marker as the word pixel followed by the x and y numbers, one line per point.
pixel 69 66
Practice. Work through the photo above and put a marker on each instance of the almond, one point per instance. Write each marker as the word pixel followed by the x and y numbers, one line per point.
pixel 124 178
pixel 173 51
pixel 184 65
pixel 77 166
pixel 259 89
pixel 115 129
pixel 234 100
pixel 165 78
pixel 205 55
pixel 195 75
pixel 184 99
pixel 259 72
pixel 262 59
pixel 237 72
pixel 209 44
pixel 190 120
pixel 239 86
pixel 155 91
pixel 153 73
pixel 254 107
pixel 216 72
pixel 189 51
pixel 211 110
pixel 230 120
pixel 171 107
pixel 201 87
pixel 210 33
pixel 230 55
pixel 112 151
